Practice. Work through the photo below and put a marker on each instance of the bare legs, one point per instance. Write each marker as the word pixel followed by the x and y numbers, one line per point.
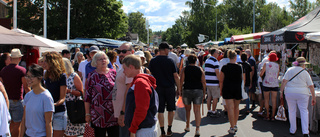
pixel 233 111
pixel 196 110
pixel 273 100
pixel 15 128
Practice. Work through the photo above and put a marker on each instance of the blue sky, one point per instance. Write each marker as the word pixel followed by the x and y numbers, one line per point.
pixel 163 13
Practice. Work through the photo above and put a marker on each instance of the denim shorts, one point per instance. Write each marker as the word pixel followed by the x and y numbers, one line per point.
pixel 16 110
pixel 59 121
pixel 192 95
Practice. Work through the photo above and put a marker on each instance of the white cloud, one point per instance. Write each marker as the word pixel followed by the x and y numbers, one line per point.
pixel 163 13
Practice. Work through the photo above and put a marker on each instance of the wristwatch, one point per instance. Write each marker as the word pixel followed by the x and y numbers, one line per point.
pixel 121 112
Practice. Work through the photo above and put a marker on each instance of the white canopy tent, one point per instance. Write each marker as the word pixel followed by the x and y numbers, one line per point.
pixel 184 45
pixel 313 36
pixel 58 47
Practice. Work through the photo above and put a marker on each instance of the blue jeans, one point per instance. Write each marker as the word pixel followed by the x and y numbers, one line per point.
pixel 16 110
pixel 247 100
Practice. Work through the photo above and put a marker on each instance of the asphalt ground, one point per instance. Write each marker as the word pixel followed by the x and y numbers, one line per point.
pixel 248 125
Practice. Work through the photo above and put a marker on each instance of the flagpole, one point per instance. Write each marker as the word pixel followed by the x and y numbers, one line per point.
pixel 68 27
pixel 45 19
pixel 15 14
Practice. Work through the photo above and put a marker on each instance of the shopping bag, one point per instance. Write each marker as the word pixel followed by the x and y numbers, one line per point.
pixel 88 131
pixel 243 92
pixel 281 115
pixel 180 113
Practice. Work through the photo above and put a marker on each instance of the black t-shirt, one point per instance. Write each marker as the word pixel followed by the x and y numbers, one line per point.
pixel 232 77
pixel 252 62
pixel 54 89
pixel 247 69
pixel 162 68
pixel 192 77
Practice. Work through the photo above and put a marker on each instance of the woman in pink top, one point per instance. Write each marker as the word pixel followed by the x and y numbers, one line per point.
pixel 98 97
pixel 270 83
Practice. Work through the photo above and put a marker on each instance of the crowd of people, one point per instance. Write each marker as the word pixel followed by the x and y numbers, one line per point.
pixel 126 91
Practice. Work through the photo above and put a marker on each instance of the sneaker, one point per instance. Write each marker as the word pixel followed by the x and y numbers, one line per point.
pixel 197 133
pixel 215 115
pixel 306 135
pixel 169 133
pixel 235 128
pixel 209 114
pixel 231 131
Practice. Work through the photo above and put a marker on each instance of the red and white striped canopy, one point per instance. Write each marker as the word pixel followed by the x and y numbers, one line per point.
pixel 252 36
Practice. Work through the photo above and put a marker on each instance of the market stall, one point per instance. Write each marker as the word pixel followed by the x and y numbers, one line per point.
pixel 290 41
pixel 253 39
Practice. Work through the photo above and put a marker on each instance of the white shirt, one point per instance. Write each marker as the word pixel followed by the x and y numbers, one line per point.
pixel 300 83
pixel 223 62
pixel 4 117
pixel 238 58
pixel 118 63
pixel 174 57
pixel 82 69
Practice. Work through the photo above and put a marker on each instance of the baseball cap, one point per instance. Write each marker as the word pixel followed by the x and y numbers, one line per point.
pixel 93 48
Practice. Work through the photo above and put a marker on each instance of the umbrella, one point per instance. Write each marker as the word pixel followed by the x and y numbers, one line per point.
pixel 313 36
pixel 54 46
pixel 9 37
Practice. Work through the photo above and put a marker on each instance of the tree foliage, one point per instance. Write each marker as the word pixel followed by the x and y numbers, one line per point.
pixel 233 17
pixel 137 24
pixel 89 18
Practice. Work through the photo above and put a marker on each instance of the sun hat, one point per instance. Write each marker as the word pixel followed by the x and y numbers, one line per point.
pixel 301 61
pixel 141 55
pixel 15 53
pixel 273 57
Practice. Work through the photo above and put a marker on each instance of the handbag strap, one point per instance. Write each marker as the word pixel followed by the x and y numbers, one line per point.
pixel 296 74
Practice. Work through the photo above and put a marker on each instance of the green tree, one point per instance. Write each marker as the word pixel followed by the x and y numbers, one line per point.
pixel 89 19
pixel 228 32
pixel 300 8
pixel 137 24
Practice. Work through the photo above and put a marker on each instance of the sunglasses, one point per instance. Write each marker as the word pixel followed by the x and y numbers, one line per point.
pixel 122 51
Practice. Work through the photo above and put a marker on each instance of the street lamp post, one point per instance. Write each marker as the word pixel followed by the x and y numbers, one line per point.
pixel 254 2
pixel 216 17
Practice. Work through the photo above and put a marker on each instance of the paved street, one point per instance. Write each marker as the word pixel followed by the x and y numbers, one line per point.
pixel 248 126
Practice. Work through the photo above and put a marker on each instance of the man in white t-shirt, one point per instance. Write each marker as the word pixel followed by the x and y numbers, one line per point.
pixel 173 56
pixel 82 70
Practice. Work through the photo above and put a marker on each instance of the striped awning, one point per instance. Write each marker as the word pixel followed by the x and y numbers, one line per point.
pixel 248 37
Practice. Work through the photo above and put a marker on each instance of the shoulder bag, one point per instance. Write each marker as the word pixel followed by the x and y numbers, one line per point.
pixel 76 111
pixel 296 74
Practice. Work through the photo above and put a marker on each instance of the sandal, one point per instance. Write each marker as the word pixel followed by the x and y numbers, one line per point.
pixel 266 118
pixel 272 119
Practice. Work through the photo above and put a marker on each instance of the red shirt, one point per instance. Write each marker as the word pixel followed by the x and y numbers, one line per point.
pixel 11 76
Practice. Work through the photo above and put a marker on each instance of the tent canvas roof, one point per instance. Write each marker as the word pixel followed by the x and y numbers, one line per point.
pixel 294 33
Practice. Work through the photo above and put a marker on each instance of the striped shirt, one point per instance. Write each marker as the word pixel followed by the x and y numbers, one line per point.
pixel 210 66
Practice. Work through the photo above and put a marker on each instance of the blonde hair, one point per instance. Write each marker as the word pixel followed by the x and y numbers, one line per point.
pixel 132 60
pixel 97 56
pixel 68 66
pixel 76 57
pixel 232 54
pixel 55 64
